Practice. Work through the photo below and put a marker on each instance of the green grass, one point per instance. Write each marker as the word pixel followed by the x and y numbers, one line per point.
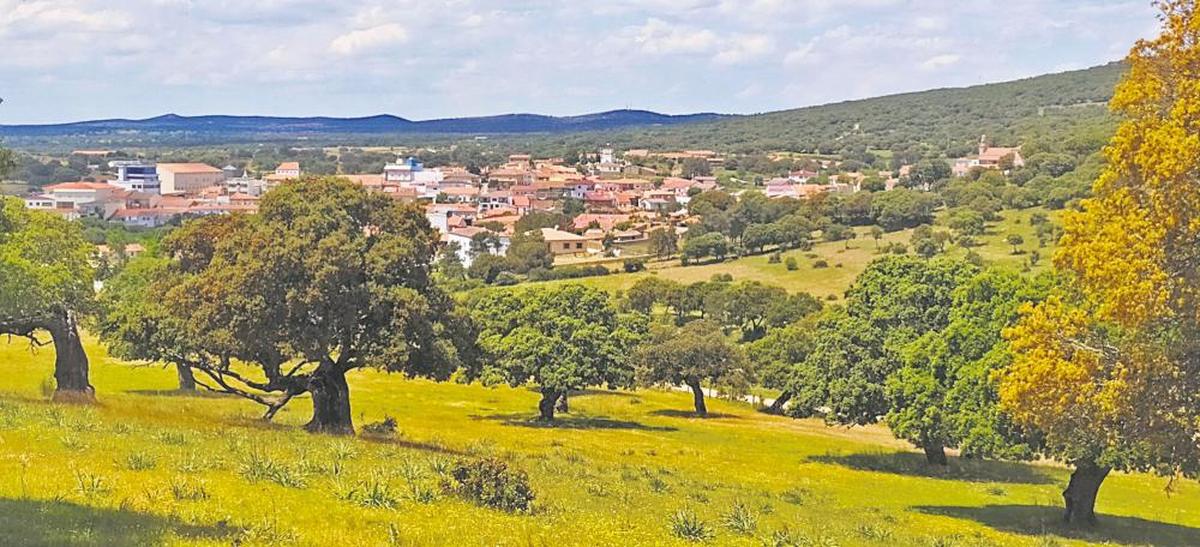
pixel 845 260
pixel 147 466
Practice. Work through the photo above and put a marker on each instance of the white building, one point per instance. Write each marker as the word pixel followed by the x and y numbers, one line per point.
pixel 137 176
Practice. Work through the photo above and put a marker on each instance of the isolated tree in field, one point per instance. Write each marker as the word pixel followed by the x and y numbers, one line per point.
pixel 559 340
pixel 691 355
pixel 46 286
pixel 944 394
pixel 1016 241
pixel 1110 370
pixel 648 291
pixel 325 279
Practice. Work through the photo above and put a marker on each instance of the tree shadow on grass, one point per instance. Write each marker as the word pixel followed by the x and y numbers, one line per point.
pixel 675 413
pixel 568 422
pixel 190 394
pixel 410 444
pixel 1034 520
pixel 36 522
pixel 958 469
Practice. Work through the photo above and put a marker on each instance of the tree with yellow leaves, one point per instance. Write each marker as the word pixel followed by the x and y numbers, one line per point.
pixel 1109 370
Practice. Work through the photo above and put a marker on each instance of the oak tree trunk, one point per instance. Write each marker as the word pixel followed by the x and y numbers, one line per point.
pixel 331 401
pixel 70 362
pixel 187 379
pixel 547 404
pixel 698 398
pixel 777 406
pixel 1080 495
pixel 935 453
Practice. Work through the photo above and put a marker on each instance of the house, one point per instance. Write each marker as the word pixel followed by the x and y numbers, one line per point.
pixel 443 215
pixel 989 157
pixel 497 199
pixel 289 169
pixel 146 217
pixel 463 237
pixel 188 178
pixel 561 243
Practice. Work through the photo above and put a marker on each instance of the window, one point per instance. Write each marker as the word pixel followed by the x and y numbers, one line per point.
pixel 578 245
pixel 566 246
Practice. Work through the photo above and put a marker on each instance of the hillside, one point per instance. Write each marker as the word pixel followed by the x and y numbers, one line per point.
pixel 946 120
pixel 214 129
pixel 943 120
pixel 150 466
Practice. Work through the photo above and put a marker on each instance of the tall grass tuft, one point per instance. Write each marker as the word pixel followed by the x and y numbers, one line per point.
pixel 741 519
pixel 688 526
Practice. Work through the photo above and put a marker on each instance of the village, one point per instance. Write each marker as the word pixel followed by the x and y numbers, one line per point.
pixel 613 201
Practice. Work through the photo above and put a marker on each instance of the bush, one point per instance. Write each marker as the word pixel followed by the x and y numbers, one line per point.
pixel 791 264
pixel 818 264
pixel 507 279
pixel 775 258
pixel 382 428
pixel 634 265
pixel 490 483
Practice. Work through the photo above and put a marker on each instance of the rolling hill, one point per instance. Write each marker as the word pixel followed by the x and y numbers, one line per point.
pixel 250 127
pixel 942 120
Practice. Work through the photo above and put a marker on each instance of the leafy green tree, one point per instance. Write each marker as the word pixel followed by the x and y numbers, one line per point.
pixel 775 357
pixel 663 242
pixel 696 167
pixel 528 251
pixel 711 244
pixel 1016 241
pixel 325 279
pixel 945 394
pixel 46 287
pixel 903 208
pixel 966 222
pixel 691 355
pixel 649 291
pixel 560 339
pixel 535 220
pixel 896 300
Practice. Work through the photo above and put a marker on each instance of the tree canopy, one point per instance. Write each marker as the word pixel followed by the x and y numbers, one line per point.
pixel 325 279
pixel 1109 369
pixel 46 287
pixel 560 339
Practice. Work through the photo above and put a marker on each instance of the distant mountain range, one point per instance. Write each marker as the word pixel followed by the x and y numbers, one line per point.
pixel 246 126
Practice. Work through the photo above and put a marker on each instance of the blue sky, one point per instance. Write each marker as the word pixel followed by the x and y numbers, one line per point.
pixel 66 60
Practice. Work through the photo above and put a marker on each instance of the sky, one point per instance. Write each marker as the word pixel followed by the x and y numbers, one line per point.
pixel 70 60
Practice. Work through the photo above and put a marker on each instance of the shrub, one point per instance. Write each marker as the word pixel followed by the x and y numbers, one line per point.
pixel 633 265
pixel 383 428
pixel 687 526
pixel 507 279
pixel 818 264
pixel 775 258
pixel 490 483
pixel 791 264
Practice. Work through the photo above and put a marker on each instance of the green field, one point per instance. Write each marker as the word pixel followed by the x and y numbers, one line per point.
pixel 845 260
pixel 148 465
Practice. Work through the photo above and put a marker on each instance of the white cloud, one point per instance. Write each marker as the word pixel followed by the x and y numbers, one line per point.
pixel 466 57
pixel 941 61
pixel 370 39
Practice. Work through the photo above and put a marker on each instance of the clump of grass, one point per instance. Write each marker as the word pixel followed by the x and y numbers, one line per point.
pixel 73 443
pixel 183 489
pixel 89 485
pixel 797 496
pixel 741 519
pixel 372 493
pixel 267 531
pixel 873 532
pixel 996 491
pixel 171 438
pixel 140 461
pixel 342 451
pixel 658 485
pixel 688 526
pixel 260 467
pixel 440 466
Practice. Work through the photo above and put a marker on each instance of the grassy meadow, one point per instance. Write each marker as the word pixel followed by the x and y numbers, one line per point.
pixel 845 260
pixel 148 465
